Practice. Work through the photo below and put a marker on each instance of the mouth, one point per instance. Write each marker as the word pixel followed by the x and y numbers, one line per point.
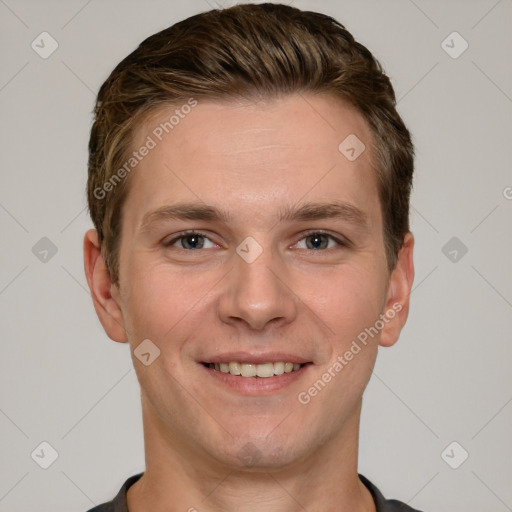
pixel 255 370
pixel 256 374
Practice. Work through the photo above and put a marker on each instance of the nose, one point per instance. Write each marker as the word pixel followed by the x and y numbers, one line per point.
pixel 256 293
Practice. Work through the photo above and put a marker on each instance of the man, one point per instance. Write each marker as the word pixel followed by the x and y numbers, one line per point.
pixel 249 182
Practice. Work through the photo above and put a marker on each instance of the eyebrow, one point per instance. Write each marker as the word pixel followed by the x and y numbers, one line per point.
pixel 304 212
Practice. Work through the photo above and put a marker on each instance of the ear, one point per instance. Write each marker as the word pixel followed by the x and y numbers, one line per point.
pixel 105 294
pixel 399 290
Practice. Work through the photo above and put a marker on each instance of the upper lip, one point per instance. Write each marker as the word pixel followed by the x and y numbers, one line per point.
pixel 259 358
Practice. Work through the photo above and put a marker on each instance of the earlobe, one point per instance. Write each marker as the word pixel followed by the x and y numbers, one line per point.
pixel 106 303
pixel 399 290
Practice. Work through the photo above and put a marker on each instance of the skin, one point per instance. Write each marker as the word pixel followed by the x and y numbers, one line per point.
pixel 252 159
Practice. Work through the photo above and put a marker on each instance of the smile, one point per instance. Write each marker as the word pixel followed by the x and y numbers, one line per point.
pixel 263 370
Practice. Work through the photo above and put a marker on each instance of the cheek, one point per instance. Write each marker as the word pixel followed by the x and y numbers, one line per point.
pixel 170 306
pixel 347 300
pixel 156 300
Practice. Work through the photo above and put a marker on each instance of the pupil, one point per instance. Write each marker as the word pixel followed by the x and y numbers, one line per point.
pixel 316 241
pixel 195 241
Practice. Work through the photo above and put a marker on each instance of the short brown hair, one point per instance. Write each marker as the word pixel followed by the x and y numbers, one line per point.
pixel 249 50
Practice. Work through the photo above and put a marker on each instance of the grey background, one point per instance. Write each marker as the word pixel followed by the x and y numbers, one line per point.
pixel 448 379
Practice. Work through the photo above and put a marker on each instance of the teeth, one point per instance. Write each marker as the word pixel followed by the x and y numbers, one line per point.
pixel 264 370
pixel 248 370
pixel 234 369
pixel 278 368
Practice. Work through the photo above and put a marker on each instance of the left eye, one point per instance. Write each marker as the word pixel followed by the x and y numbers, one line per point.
pixel 191 241
pixel 315 241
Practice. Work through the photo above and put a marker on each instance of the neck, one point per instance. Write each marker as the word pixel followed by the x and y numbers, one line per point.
pixel 178 479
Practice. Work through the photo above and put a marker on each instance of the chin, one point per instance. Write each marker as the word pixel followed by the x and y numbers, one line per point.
pixel 262 453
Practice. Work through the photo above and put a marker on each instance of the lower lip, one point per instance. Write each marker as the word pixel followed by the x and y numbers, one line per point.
pixel 256 385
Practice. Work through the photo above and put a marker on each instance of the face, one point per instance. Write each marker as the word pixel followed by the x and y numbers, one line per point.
pixel 251 244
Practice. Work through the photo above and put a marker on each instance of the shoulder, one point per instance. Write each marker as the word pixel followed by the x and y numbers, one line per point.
pixel 118 504
pixel 105 507
pixel 381 503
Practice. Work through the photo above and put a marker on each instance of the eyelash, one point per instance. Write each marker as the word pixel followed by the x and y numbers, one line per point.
pixel 339 242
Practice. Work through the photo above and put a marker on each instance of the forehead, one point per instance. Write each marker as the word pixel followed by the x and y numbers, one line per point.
pixel 258 154
pixel 307 123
